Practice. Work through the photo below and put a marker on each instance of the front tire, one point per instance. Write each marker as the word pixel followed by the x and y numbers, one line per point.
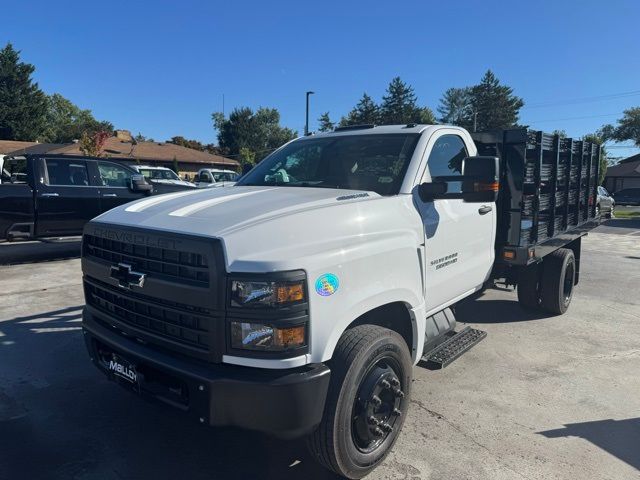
pixel 367 401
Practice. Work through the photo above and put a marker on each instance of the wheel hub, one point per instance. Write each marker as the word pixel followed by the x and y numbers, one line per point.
pixel 377 407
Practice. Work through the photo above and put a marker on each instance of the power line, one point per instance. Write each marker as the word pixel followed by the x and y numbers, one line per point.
pixel 574 101
pixel 576 118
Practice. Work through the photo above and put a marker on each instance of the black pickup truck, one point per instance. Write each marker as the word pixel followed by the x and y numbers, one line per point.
pixel 54 196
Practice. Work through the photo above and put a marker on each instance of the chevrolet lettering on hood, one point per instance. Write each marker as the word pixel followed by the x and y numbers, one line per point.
pixel 134 238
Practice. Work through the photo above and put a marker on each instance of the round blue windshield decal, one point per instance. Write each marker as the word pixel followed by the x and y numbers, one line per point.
pixel 327 284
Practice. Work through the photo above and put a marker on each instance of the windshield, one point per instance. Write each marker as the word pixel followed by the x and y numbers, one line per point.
pixel 357 162
pixel 225 177
pixel 152 174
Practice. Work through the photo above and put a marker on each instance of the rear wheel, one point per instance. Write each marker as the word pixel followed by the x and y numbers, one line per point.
pixel 529 287
pixel 367 401
pixel 558 280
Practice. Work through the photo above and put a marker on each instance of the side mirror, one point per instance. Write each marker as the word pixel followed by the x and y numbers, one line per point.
pixel 430 191
pixel 139 184
pixel 480 179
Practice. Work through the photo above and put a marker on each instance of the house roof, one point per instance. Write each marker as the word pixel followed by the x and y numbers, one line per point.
pixel 150 152
pixel 629 167
pixel 9 146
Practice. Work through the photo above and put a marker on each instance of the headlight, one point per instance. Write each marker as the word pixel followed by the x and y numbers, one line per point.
pixel 269 294
pixel 263 337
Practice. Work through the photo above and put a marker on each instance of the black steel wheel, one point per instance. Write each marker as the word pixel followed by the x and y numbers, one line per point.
pixel 367 401
pixel 376 408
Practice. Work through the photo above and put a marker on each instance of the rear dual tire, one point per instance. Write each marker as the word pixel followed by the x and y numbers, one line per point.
pixel 367 401
pixel 548 286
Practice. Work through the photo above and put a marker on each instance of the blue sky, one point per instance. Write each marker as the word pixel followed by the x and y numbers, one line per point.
pixel 162 67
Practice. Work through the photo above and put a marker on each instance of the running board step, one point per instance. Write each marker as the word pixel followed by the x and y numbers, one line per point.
pixel 453 347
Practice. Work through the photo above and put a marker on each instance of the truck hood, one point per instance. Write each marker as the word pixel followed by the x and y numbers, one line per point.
pixel 219 211
pixel 267 229
pixel 166 181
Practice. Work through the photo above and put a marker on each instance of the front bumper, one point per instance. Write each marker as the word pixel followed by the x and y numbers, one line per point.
pixel 284 403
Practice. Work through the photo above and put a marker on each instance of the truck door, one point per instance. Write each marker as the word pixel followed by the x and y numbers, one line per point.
pixel 115 186
pixel 65 198
pixel 16 199
pixel 459 236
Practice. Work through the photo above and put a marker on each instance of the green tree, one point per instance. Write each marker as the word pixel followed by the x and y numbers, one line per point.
pixel 258 132
pixel 365 112
pixel 559 132
pixel 604 160
pixel 175 167
pixel 455 106
pixel 400 105
pixel 183 142
pixel 23 106
pixel 326 125
pixel 247 157
pixel 66 122
pixel 628 128
pixel 494 105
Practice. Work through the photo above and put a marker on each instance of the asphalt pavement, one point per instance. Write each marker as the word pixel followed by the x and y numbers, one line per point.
pixel 540 398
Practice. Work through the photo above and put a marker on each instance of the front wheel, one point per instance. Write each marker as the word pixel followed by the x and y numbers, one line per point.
pixel 367 401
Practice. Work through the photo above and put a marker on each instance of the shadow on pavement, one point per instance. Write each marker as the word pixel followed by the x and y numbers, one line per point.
pixel 60 418
pixel 12 253
pixel 621 438
pixel 622 223
pixel 471 310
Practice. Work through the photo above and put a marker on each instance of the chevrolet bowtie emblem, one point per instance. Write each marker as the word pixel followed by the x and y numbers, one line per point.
pixel 126 277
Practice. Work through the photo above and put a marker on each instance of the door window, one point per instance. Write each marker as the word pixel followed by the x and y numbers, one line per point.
pixel 66 173
pixel 114 175
pixel 14 171
pixel 446 159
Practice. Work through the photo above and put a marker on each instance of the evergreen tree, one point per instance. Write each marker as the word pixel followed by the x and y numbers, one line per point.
pixel 326 125
pixel 399 105
pixel 23 106
pixel 455 106
pixel 494 105
pixel 365 112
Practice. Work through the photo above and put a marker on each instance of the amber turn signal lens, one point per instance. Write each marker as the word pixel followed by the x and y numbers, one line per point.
pixel 486 187
pixel 290 293
pixel 509 255
pixel 290 337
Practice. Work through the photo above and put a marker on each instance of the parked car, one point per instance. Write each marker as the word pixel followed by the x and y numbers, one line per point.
pixel 214 177
pixel 53 196
pixel 297 302
pixel 163 176
pixel 605 203
pixel 627 196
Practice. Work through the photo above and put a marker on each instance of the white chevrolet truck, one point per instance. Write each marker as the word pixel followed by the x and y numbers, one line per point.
pixel 297 302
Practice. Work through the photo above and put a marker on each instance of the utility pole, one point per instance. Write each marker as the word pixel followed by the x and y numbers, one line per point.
pixel 475 121
pixel 306 123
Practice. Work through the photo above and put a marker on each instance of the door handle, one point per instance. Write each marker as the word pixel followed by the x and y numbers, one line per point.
pixel 49 195
pixel 110 195
pixel 483 210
